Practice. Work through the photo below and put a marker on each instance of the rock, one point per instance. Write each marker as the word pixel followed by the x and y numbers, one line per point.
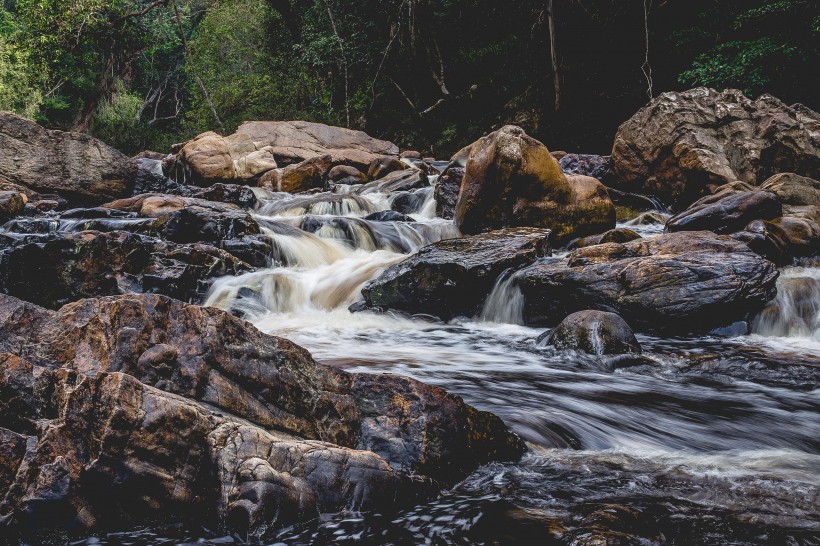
pixel 559 155
pixel 453 277
pixel 411 154
pixel 596 166
pixel 677 282
pixel 150 179
pixel 766 239
pixel 406 202
pixel 617 235
pixel 594 332
pixel 512 180
pixel 136 406
pixel 304 176
pixel 682 145
pixel 341 173
pixel 234 194
pixel 382 166
pixel 74 166
pixel 397 181
pixel 799 195
pixel 388 216
pixel 629 205
pixel 209 158
pixel 11 204
pixel 65 267
pixel 727 214
pixel 295 141
pixel 802 234
pixel 446 192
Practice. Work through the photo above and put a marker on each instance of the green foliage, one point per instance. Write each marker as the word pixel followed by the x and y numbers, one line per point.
pixel 19 89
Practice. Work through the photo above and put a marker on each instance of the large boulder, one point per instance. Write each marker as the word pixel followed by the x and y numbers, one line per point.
pixel 453 277
pixel 308 175
pixel 210 158
pixel 678 282
pixel 63 267
pixel 683 145
pixel 511 179
pixel 74 166
pixel 175 409
pixel 727 214
pixel 295 141
pixel 799 195
pixel 594 332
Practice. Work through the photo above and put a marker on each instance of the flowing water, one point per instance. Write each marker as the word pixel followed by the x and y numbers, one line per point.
pixel 708 440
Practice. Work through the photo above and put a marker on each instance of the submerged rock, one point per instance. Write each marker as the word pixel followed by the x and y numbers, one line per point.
pixel 512 180
pixel 680 282
pixel 594 332
pixel 74 166
pixel 453 277
pixel 683 145
pixel 132 409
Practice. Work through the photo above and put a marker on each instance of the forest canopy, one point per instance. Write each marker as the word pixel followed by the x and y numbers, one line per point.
pixel 431 75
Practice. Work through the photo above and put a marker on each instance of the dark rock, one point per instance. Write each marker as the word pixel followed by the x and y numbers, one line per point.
pixel 382 166
pixel 73 166
pixel 683 145
pixel 594 332
pixel 799 195
pixel 65 267
pixel 388 216
pixel 596 166
pixel 453 277
pixel 234 194
pixel 406 202
pixel 447 189
pixel 679 282
pixel 345 172
pixel 766 239
pixel 397 181
pixel 305 176
pixel 512 180
pixel 11 204
pixel 617 235
pixel 727 214
pixel 802 234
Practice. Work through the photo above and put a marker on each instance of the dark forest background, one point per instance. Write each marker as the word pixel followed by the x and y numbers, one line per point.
pixel 429 75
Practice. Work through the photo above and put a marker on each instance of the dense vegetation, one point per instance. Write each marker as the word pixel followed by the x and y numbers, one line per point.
pixel 429 74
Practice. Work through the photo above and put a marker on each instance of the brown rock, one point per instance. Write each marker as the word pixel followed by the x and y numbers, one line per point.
pixel 411 154
pixel 802 234
pixel 210 158
pixel 682 145
pixel 800 195
pixel 74 166
pixel 307 175
pixel 346 172
pixel 727 212
pixel 383 166
pixel 11 204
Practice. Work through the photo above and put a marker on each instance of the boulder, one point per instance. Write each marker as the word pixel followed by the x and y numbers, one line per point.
pixel 397 181
pixel 766 239
pixel 73 166
pixel 676 282
pixel 727 214
pixel 683 145
pixel 295 141
pixel 447 190
pixel 802 234
pixel 346 174
pixel 593 332
pixel 596 166
pixel 382 166
pixel 453 277
pixel 617 235
pixel 411 154
pixel 147 403
pixel 799 195
pixel 11 204
pixel 65 267
pixel 307 175
pixel 511 179
pixel 210 158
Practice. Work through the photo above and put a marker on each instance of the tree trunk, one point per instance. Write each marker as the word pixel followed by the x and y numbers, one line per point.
pixel 554 56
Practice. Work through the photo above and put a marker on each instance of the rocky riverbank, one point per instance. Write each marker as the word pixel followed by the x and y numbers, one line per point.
pixel 136 388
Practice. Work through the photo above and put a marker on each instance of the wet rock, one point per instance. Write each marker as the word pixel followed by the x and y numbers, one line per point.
pixel 74 166
pixel 596 166
pixel 629 205
pixel 406 202
pixel 803 235
pixel 65 267
pixel 295 141
pixel 346 174
pixel 190 412
pixel 446 192
pixel 512 180
pixel 453 277
pixel 397 181
pixel 382 166
pixel 11 204
pixel 649 218
pixel 388 216
pixel 301 177
pixel 617 235
pixel 799 195
pixel 683 145
pixel 766 239
pixel 234 194
pixel 677 282
pixel 593 332
pixel 727 214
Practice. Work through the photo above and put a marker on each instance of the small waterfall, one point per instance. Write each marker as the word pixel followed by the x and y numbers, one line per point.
pixel 283 204
pixel 505 304
pixel 795 311
pixel 296 248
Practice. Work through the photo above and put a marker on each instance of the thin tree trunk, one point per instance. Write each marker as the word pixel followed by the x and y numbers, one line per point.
pixel 554 57
pixel 82 123
pixel 193 66
pixel 344 60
